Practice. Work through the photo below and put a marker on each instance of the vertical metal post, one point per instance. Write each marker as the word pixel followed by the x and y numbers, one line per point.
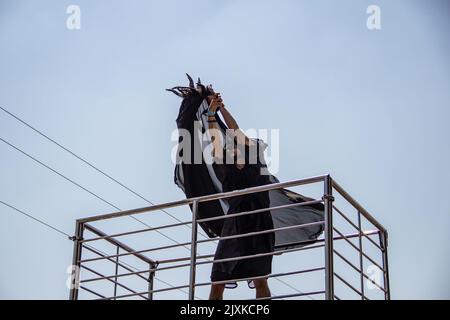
pixel 384 245
pixel 77 246
pixel 328 203
pixel 151 278
pixel 361 261
pixel 193 250
pixel 116 272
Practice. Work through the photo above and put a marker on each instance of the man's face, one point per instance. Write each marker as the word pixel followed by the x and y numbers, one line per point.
pixel 236 155
pixel 211 93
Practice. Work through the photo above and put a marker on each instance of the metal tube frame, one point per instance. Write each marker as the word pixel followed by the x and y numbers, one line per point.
pixel 350 286
pixel 211 197
pixel 109 259
pixel 355 226
pixel 202 262
pixel 272 209
pixel 357 249
pixel 115 242
pixel 361 261
pixel 193 251
pixel 151 280
pixel 329 229
pixel 77 248
pixel 113 281
pixel 349 236
pixel 221 282
pixel 116 270
pixel 357 269
pixel 384 245
pixel 77 262
pixel 329 274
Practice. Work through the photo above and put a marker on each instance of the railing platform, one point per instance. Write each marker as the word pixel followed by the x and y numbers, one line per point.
pixel 349 257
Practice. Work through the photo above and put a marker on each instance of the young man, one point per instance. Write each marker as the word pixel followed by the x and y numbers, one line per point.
pixel 229 160
pixel 235 173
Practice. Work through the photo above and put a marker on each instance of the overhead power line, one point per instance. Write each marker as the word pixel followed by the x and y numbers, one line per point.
pixel 103 173
pixel 88 163
pixel 35 219
pixel 81 187
pixel 61 232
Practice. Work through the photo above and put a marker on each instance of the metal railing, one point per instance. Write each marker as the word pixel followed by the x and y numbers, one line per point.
pixel 331 236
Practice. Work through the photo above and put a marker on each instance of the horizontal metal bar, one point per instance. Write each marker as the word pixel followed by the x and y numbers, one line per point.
pixel 92 291
pixel 356 269
pixel 299 204
pixel 117 243
pixel 165 261
pixel 347 261
pixel 212 255
pixel 374 283
pixel 291 295
pixel 202 262
pixel 356 227
pixel 356 248
pixel 110 259
pixel 111 280
pixel 355 235
pixel 349 236
pixel 260 277
pixel 211 197
pixel 148 291
pixel 356 205
pixel 261 254
pixel 285 206
pixel 116 235
pixel 297 226
pixel 135 273
pixel 277 252
pixel 349 285
pixel 249 234
pixel 140 251
pixel 218 282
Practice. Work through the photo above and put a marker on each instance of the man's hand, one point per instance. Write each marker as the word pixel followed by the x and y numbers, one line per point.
pixel 215 102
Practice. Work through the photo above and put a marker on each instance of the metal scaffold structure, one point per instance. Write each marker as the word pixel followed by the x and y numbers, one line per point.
pixel 353 250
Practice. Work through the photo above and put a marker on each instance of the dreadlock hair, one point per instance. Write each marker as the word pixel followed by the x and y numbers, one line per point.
pixel 199 89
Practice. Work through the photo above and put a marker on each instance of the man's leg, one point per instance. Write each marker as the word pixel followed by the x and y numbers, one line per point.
pixel 216 292
pixel 262 288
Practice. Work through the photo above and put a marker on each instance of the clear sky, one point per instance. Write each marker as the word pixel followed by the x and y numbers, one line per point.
pixel 370 107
